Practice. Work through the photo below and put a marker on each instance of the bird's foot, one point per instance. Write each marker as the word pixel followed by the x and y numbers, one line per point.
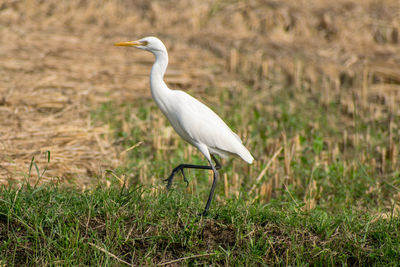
pixel 184 178
pixel 205 214
pixel 169 181
pixel 171 177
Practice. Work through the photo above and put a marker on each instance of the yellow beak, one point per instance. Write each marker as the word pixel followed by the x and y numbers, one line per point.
pixel 131 43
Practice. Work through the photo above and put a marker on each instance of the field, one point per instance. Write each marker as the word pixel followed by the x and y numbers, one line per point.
pixel 312 89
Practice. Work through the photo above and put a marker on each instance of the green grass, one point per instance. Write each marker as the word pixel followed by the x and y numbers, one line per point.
pixel 333 199
pixel 57 225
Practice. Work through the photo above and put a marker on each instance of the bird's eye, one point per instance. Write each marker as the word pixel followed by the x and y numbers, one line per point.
pixel 144 43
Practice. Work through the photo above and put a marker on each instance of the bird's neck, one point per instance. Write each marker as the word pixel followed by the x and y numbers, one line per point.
pixel 159 68
pixel 159 89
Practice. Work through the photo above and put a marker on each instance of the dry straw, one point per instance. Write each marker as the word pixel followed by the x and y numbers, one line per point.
pixel 57 64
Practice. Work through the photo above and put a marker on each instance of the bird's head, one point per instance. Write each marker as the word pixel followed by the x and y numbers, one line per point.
pixel 152 44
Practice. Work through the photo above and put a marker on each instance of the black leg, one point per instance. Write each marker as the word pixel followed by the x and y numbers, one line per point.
pixel 217 164
pixel 210 196
pixel 190 166
pixel 181 168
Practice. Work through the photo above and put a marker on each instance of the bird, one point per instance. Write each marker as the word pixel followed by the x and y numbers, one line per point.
pixel 194 122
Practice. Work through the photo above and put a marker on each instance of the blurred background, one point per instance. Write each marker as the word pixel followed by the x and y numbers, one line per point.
pixel 312 87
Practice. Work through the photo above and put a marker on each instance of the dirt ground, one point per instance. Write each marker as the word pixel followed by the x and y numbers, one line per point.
pixel 58 63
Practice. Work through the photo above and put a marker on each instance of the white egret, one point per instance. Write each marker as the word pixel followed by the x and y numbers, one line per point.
pixel 192 120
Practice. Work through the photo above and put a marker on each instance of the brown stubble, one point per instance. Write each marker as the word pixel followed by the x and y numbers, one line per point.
pixel 57 63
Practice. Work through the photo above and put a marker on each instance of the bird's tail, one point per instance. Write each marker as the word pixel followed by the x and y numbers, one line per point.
pixel 246 156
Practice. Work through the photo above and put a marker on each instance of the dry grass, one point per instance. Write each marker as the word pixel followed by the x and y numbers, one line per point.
pixel 57 63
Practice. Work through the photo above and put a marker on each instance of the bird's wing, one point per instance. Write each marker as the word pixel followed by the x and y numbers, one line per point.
pixel 203 125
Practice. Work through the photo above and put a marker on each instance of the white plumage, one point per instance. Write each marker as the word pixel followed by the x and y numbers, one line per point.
pixel 192 120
